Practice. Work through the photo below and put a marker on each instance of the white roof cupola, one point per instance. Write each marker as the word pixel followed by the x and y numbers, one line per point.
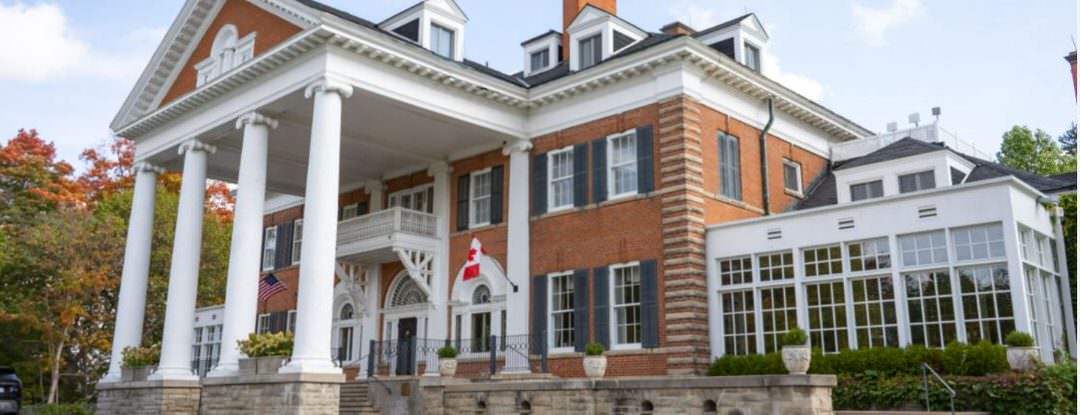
pixel 227 52
pixel 436 25
pixel 542 52
pixel 743 38
pixel 595 35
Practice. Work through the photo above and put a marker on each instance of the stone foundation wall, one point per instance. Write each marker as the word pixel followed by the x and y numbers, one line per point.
pixel 148 398
pixel 272 394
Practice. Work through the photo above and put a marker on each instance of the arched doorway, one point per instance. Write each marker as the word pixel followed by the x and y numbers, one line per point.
pixel 478 307
pixel 405 319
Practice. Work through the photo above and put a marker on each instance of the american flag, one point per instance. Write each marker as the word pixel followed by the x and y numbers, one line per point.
pixel 269 286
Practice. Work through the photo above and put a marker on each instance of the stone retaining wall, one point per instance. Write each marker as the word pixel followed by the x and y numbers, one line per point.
pixel 286 394
pixel 148 398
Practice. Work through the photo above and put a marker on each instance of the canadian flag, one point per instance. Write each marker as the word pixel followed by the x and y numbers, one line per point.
pixel 472 264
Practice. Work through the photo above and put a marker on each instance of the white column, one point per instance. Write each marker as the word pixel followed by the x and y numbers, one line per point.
pixel 241 297
pixel 517 241
pixel 374 189
pixel 131 309
pixel 369 325
pixel 440 278
pixel 177 334
pixel 314 308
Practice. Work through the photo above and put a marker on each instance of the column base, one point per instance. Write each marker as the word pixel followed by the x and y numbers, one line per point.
pixel 111 378
pixel 224 370
pixel 173 374
pixel 319 366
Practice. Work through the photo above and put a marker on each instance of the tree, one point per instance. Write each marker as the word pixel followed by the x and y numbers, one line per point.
pixel 1036 153
pixel 32 180
pixel 1067 140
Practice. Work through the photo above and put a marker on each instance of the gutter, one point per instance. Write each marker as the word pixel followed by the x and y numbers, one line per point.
pixel 765 158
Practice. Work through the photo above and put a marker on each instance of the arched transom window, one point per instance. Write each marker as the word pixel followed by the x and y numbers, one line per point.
pixel 406 293
pixel 482 295
pixel 346 312
pixel 227 52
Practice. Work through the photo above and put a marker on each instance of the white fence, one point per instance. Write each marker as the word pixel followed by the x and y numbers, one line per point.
pixel 930 133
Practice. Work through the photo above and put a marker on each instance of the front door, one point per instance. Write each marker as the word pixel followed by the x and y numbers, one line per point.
pixel 406 346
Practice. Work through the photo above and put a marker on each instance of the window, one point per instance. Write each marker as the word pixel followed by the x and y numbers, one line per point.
pixel 1042 301
pixel 752 55
pixel 930 308
pixel 481 331
pixel 627 304
pixel 868 190
pixel 869 255
pixel 262 324
pixel 923 249
pixel 561 178
pixel 442 41
pixel 778 315
pixel 227 52
pixel 730 180
pixel 917 181
pixel 979 242
pixel 739 329
pixel 562 311
pixel 589 52
pixel 345 344
pixel 418 198
pixel 828 317
pixel 539 60
pixel 291 327
pixel 792 176
pixel 482 295
pixel 775 267
pixel 297 239
pixel 350 211
pixel 984 294
pixel 734 271
pixel 269 247
pixel 822 261
pixel 480 198
pixel 875 312
pixel 347 312
pixel 622 162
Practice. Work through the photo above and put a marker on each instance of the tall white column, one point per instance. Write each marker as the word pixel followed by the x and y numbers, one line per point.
pixel 517 241
pixel 241 297
pixel 440 278
pixel 131 309
pixel 177 334
pixel 374 189
pixel 314 309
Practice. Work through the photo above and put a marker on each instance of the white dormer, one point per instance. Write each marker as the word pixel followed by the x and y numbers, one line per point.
pixel 925 171
pixel 436 25
pixel 743 39
pixel 542 52
pixel 595 35
pixel 227 52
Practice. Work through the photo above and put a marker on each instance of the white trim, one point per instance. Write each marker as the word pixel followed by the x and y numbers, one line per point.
pixel 609 142
pixel 551 207
pixel 297 239
pixel 473 198
pixel 551 312
pixel 613 321
pixel 798 176
pixel 269 247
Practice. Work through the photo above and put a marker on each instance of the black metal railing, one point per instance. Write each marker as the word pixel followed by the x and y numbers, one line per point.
pixel 503 353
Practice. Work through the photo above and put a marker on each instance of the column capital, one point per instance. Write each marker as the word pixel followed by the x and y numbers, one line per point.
pixel 438 167
pixel 372 185
pixel 328 85
pixel 143 166
pixel 255 118
pixel 517 145
pixel 196 145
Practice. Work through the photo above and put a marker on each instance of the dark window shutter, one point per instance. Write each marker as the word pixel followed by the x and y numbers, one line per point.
pixel 581 309
pixel 650 318
pixel 601 330
pixel 645 159
pixel 496 194
pixel 362 208
pixel 340 213
pixel 463 202
pixel 581 174
pixel 599 169
pixel 540 184
pixel 283 256
pixel 539 313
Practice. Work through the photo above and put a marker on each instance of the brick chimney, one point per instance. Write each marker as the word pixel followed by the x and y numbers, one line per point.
pixel 571 9
pixel 678 28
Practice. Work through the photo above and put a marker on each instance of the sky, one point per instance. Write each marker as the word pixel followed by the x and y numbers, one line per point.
pixel 989 64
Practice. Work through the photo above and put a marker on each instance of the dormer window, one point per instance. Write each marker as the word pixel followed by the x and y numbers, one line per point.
pixel 227 52
pixel 442 41
pixel 590 51
pixel 541 52
pixel 435 25
pixel 868 190
pixel 539 60
pixel 917 181
pixel 595 35
pixel 752 56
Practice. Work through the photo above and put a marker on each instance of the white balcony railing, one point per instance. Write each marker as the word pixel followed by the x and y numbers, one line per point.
pixel 930 133
pixel 385 223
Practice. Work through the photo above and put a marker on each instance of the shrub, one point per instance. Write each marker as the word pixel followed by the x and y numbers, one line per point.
pixel 267 344
pixel 1019 339
pixel 594 349
pixel 136 357
pixel 753 364
pixel 447 352
pixel 974 359
pixel 794 337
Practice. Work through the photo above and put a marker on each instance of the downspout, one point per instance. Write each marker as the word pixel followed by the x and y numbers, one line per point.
pixel 1063 267
pixel 765 158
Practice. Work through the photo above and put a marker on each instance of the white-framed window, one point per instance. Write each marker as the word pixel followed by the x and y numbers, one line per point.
pixel 481 332
pixel 916 181
pixel 867 190
pixel 228 51
pixel 626 305
pixel 792 176
pixel 869 255
pixel 828 316
pixel 539 60
pixel 291 324
pixel 987 305
pixel 589 51
pixel 442 41
pixel 923 249
pixel 930 308
pixel 297 239
pixel 480 198
pixel 874 304
pixel 826 260
pixel 776 266
pixel 735 271
pixel 730 173
pixel 739 329
pixel 262 323
pixel 269 248
pixel 979 242
pixel 752 56
pixel 562 311
pixel 561 178
pixel 418 198
pixel 778 315
pixel 622 164
pixel 350 211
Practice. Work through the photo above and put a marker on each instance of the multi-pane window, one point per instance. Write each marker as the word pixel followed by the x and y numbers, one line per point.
pixel 262 324
pixel 774 267
pixel 828 317
pixel 730 180
pixel 561 178
pixel 350 211
pixel 269 248
pixel 917 181
pixel 979 242
pixel 442 41
pixel 868 190
pixel 1027 239
pixel 622 151
pixel 589 51
pixel 923 249
pixel 297 240
pixel 539 60
pixel 480 198
pixel 1043 308
pixel 739 329
pixel 562 311
pixel 778 315
pixel 1036 304
pixel 869 255
pixel 1042 251
pixel 823 261
pixel 419 198
pixel 735 271
pixel 792 176
pixel 627 304
pixel 752 56
pixel 875 312
pixel 984 294
pixel 930 308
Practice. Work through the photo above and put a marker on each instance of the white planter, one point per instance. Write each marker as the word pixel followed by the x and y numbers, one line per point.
pixel 447 367
pixel 796 359
pixel 267 365
pixel 1022 358
pixel 595 366
pixel 135 374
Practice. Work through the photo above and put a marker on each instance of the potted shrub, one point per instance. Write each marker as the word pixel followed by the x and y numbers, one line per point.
pixel 1021 352
pixel 447 361
pixel 595 362
pixel 265 353
pixel 795 351
pixel 139 362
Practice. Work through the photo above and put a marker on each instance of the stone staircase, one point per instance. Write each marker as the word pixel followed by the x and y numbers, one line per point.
pixel 354 399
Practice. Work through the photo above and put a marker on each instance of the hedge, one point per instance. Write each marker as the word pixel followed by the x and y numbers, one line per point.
pixel 957 359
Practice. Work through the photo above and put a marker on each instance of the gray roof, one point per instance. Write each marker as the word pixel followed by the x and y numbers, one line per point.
pixel 723 25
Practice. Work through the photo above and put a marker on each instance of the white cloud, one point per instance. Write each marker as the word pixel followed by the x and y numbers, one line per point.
pixel 804 85
pixel 696 15
pixel 872 23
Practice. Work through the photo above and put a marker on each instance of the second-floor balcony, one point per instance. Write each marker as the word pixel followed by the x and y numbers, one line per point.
pixel 374 237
